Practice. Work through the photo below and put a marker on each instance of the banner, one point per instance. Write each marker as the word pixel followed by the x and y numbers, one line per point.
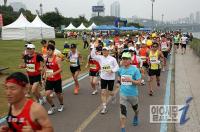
pixel 1 20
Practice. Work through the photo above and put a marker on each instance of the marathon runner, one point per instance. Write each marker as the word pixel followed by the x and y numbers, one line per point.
pixel 184 40
pixel 154 56
pixel 165 47
pixel 33 62
pixel 44 48
pixel 24 114
pixel 108 68
pixel 128 77
pixel 53 79
pixel 176 42
pixel 93 72
pixel 74 59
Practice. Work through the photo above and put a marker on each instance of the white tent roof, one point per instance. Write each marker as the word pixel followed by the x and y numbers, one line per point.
pixel 70 27
pixel 21 22
pixel 81 27
pixel 92 26
pixel 37 22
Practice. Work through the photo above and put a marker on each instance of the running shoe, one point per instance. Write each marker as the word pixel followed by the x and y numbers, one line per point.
pixel 94 92
pixel 123 130
pixel 135 120
pixel 158 84
pixel 76 90
pixel 104 110
pixel 61 108
pixel 151 93
pixel 51 110
pixel 143 82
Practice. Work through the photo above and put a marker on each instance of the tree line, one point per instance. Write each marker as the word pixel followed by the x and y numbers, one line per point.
pixel 55 19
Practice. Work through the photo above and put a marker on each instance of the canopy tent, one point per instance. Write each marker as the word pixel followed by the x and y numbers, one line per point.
pixel 81 27
pixel 145 29
pixel 132 28
pixel 105 27
pixel 15 30
pixel 93 25
pixel 39 30
pixel 70 27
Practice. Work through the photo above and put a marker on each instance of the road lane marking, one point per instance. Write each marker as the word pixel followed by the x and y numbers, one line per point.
pixel 88 120
pixel 163 126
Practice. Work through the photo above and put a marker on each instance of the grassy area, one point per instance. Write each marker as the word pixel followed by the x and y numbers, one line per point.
pixel 10 56
pixel 195 45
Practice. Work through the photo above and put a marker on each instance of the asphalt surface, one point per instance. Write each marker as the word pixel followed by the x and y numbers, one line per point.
pixel 81 111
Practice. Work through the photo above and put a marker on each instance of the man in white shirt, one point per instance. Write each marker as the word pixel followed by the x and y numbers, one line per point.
pixel 183 43
pixel 108 66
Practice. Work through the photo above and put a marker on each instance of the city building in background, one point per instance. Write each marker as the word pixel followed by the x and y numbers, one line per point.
pixel 17 6
pixel 115 9
pixel 198 17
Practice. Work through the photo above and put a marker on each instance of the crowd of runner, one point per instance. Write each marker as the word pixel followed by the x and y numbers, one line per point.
pixel 125 62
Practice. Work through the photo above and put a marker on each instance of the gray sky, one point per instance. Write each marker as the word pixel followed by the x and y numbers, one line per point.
pixel 172 9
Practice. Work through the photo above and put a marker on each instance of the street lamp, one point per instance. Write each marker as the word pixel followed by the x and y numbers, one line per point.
pixel 152 13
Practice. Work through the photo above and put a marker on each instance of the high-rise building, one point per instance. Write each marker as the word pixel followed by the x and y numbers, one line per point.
pixel 198 17
pixel 192 18
pixel 115 9
pixel 17 6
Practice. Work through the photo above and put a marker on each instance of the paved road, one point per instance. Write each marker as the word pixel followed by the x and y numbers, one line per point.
pixel 81 111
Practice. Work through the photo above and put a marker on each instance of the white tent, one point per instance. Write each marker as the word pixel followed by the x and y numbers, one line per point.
pixel 70 27
pixel 15 30
pixel 91 26
pixel 81 27
pixel 39 30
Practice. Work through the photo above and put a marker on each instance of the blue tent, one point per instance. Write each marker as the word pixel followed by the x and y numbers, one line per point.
pixel 132 28
pixel 145 29
pixel 105 27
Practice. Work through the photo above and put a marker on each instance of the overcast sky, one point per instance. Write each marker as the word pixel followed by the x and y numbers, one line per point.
pixel 172 9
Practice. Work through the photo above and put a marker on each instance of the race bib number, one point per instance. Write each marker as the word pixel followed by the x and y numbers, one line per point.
pixel 92 66
pixel 49 72
pixel 124 78
pixel 153 60
pixel 30 67
pixel 106 68
pixel 164 47
pixel 143 58
pixel 73 62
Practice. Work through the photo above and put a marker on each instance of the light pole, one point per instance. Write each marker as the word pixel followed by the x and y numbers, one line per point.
pixel 162 19
pixel 152 14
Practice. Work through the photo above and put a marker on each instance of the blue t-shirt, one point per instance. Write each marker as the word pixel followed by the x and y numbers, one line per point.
pixel 128 88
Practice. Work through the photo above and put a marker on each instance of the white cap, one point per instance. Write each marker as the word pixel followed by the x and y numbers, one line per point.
pixel 105 48
pixel 31 46
pixel 131 48
pixel 93 38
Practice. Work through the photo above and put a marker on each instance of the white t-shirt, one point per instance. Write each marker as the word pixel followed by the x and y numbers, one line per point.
pixel 107 63
pixel 184 40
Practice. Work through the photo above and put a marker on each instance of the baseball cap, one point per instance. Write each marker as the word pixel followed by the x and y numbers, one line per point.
pixel 131 49
pixel 126 55
pixel 73 45
pixel 31 46
pixel 105 48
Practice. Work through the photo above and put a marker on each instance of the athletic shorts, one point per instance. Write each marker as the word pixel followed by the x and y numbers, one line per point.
pixel 74 69
pixel 55 86
pixel 125 100
pixel 183 46
pixel 165 53
pixel 177 44
pixel 154 72
pixel 107 84
pixel 34 79
pixel 145 65
pixel 94 74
